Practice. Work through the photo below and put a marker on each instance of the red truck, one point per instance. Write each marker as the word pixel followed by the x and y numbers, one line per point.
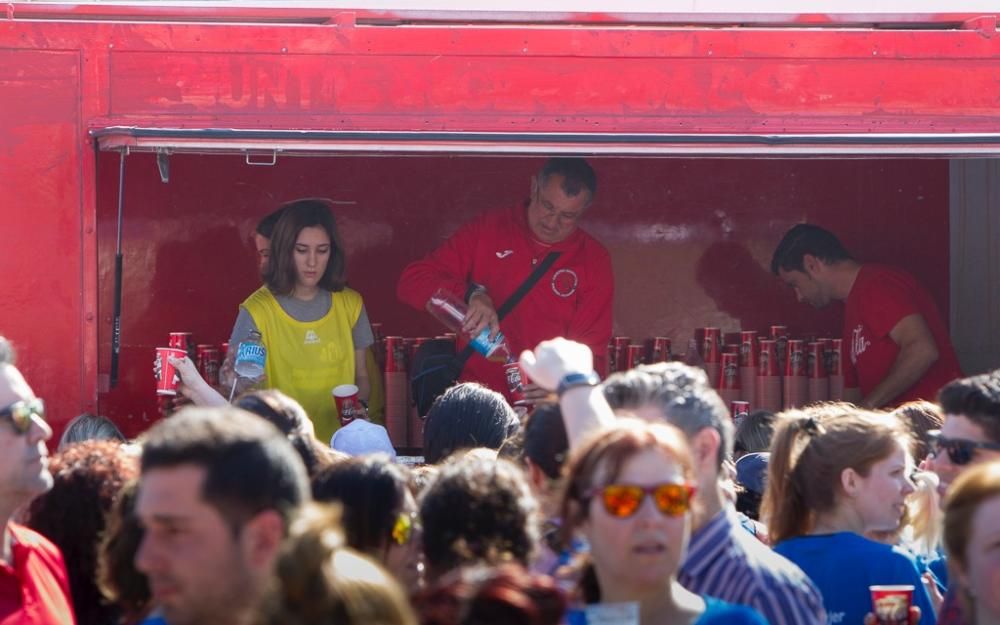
pixel 142 142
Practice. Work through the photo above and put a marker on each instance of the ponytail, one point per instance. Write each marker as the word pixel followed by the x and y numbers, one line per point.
pixel 784 508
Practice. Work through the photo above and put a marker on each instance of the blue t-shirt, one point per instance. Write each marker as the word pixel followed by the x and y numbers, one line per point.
pixel 718 612
pixel 844 565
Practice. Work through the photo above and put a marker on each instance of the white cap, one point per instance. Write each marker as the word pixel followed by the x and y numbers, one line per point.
pixel 361 437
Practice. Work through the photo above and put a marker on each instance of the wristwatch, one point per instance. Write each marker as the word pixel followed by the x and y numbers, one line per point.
pixel 574 380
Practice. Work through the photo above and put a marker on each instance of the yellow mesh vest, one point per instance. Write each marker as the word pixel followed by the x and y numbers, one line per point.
pixel 306 359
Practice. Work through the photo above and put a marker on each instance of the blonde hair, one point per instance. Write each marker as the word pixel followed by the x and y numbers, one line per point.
pixel 811 448
pixel 318 579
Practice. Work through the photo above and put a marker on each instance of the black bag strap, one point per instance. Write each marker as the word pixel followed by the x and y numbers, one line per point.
pixel 514 299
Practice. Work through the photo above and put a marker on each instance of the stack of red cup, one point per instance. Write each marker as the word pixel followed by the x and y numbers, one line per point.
pixel 661 350
pixel 796 384
pixel 768 389
pixel 835 369
pixel 819 383
pixel 748 365
pixel 396 390
pixel 729 378
pixel 712 354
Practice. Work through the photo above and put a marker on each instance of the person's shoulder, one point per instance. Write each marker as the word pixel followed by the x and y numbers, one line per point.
pixel 877 276
pixel 718 612
pixel 260 296
pixel 38 544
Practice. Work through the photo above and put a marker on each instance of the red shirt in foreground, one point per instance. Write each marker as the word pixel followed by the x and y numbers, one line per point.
pixel 35 590
pixel 880 298
pixel 497 250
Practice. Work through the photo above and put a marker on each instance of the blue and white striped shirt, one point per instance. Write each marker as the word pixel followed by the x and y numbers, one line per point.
pixel 726 562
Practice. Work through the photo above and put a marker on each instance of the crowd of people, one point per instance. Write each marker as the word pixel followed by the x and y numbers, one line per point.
pixel 621 502
pixel 631 500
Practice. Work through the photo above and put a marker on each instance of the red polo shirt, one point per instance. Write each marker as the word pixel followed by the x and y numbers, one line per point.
pixel 35 590
pixel 497 250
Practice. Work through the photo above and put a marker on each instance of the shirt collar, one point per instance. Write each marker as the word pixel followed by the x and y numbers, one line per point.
pixel 710 539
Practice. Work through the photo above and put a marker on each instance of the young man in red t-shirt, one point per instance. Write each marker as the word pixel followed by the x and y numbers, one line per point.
pixel 894 336
pixel 34 586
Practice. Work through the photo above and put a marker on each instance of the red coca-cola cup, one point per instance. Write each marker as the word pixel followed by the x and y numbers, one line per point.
pixel 729 378
pixel 349 406
pixel 208 363
pixel 633 356
pixel 661 351
pixel 768 387
pixel 835 367
pixel 768 358
pixel 712 349
pixel 748 348
pixel 730 374
pixel 796 363
pixel 166 375
pixel 779 334
pixel 699 341
pixel 815 361
pixel 739 410
pixel 891 604
pixel 516 381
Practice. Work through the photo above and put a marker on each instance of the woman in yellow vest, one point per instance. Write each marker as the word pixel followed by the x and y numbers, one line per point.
pixel 315 329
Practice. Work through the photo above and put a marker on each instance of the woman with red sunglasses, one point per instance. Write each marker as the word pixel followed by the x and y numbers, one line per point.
pixel 628 494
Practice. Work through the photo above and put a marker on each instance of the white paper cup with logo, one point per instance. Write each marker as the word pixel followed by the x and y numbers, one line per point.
pixel 348 405
pixel 167 378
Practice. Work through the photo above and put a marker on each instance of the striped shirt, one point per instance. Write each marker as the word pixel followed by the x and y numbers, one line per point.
pixel 726 562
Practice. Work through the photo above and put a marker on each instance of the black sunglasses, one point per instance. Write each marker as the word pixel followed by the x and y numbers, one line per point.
pixel 960 450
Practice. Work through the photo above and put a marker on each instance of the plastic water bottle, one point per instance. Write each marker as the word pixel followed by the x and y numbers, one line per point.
pixel 451 311
pixel 251 356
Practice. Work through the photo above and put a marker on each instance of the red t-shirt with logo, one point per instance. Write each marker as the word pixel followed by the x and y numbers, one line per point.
pixel 35 590
pixel 497 250
pixel 880 298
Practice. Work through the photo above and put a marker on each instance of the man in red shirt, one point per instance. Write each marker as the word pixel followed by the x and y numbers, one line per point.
pixel 893 333
pixel 34 586
pixel 489 258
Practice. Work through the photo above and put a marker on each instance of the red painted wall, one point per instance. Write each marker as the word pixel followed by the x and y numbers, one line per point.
pixel 690 239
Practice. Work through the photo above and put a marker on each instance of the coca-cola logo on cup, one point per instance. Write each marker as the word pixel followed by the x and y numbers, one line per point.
pixel 796 362
pixel 765 359
pixel 730 373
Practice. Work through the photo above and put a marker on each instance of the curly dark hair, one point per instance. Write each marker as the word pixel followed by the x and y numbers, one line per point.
pixel 88 479
pixel 484 595
pixel 477 509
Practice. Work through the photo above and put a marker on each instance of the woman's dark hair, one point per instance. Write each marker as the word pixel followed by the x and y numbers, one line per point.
pixel 371 490
pixel 545 441
pixel 477 510
pixel 117 578
pixel 88 478
pixel 272 405
pixel 484 595
pixel 753 434
pixel 280 275
pixel 467 415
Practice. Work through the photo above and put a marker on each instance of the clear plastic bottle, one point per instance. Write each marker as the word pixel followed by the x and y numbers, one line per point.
pixel 251 356
pixel 450 310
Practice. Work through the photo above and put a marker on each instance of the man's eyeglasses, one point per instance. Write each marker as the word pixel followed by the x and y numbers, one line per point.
pixel 20 413
pixel 960 451
pixel 623 500
pixel 402 530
